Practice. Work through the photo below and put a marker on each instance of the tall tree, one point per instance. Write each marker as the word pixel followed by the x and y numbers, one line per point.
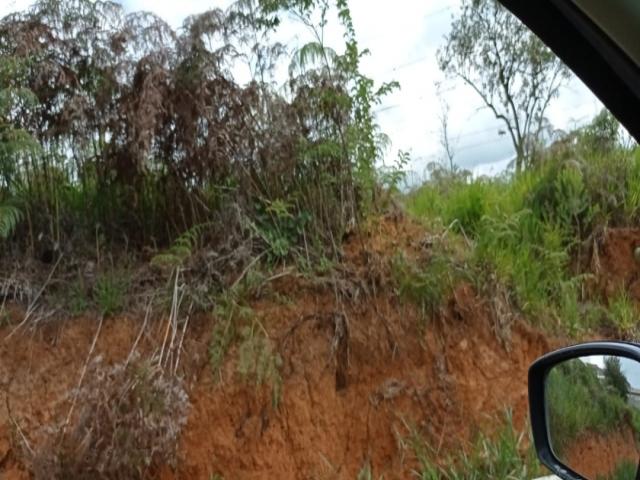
pixel 512 71
pixel 615 377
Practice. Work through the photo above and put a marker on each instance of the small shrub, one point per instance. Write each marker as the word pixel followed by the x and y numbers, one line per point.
pixel 258 360
pixel 425 285
pixel 601 134
pixel 467 205
pixel 128 421
pixel 183 247
pixel 77 299
pixel 632 199
pixel 232 313
pixel 228 313
pixel 425 203
pixel 280 228
pixel 454 202
pixel 366 472
pixel 574 315
pixel 623 315
pixel 625 470
pixel 110 292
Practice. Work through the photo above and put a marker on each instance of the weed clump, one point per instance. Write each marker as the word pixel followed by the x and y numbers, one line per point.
pixel 504 455
pixel 426 284
pixel 258 361
pixel 624 316
pixel 127 423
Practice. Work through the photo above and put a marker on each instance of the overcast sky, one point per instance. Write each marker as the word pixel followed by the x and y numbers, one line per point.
pixel 403 37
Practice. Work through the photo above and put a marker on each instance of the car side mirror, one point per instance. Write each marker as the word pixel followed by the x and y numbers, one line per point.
pixel 584 404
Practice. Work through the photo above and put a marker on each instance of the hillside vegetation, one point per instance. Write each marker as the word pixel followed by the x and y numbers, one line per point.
pixel 540 234
pixel 206 278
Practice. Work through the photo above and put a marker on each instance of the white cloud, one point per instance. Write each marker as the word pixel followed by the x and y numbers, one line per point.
pixel 9 6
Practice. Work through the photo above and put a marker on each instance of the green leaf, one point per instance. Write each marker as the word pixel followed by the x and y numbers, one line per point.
pixel 10 216
pixel 310 55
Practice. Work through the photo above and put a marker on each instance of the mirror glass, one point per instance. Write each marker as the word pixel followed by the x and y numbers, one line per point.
pixel 593 416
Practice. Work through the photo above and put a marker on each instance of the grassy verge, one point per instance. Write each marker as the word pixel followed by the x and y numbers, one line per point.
pixel 504 455
pixel 534 232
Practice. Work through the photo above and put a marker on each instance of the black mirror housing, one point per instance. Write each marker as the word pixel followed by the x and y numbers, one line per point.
pixel 538 373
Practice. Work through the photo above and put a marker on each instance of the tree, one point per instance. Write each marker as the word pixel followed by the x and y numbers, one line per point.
pixel 615 377
pixel 512 71
pixel 602 134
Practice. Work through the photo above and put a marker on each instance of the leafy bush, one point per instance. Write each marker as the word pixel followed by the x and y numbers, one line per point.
pixel 258 360
pixel 77 299
pixel 456 202
pixel 231 313
pixel 527 254
pixel 601 134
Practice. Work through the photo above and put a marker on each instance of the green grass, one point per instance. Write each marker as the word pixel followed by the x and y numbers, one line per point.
pixel 579 402
pixel 624 315
pixel 425 284
pixel 78 301
pixel 503 455
pixel 110 292
pixel 528 232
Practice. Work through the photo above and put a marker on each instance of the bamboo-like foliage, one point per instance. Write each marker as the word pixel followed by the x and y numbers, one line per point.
pixel 143 132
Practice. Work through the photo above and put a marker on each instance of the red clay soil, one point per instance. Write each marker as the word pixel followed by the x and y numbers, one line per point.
pixel 357 376
pixel 614 263
pixel 597 456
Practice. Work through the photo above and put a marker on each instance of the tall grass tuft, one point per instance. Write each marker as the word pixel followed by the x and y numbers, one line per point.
pixel 504 455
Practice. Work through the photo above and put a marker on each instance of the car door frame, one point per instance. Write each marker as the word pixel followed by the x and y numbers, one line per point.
pixel 589 52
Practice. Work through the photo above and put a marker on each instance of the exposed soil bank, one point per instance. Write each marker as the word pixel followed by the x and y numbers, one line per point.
pixel 357 375
pixel 597 455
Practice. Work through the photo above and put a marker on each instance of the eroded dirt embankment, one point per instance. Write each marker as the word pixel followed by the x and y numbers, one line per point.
pixel 615 262
pixel 597 455
pixel 357 375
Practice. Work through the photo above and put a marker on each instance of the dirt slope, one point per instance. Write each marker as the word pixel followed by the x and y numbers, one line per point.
pixel 597 455
pixel 615 263
pixel 358 374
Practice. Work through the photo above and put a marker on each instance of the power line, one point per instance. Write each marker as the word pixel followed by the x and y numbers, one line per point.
pixel 387 108
pixel 438 12
pixel 479 144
